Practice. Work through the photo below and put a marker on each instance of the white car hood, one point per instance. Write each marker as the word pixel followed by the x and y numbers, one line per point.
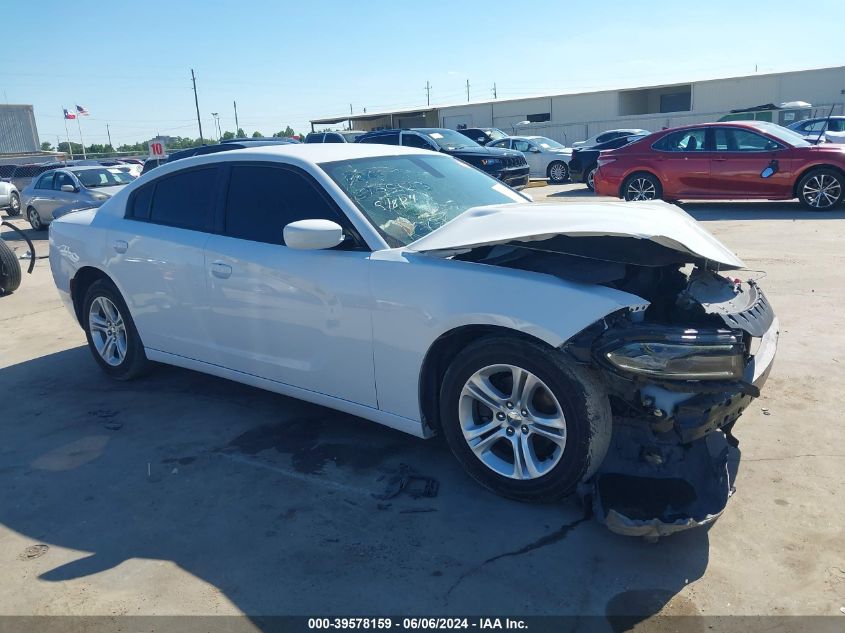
pixel 109 191
pixel 658 222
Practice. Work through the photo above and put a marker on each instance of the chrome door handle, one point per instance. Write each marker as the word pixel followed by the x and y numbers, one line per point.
pixel 120 246
pixel 221 270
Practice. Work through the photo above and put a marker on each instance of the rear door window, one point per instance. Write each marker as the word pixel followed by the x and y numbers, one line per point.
pixel 262 200
pixel 185 199
pixel 683 141
pixel 45 182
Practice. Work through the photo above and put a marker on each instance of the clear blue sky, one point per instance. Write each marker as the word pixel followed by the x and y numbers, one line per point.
pixel 288 61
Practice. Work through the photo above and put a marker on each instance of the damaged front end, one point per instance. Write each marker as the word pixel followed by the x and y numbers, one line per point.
pixel 679 375
pixel 678 372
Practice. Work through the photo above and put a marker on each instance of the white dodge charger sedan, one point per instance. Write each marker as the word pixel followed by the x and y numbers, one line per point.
pixel 594 347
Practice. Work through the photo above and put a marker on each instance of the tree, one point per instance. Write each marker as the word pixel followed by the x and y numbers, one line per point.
pixel 77 148
pixel 46 146
pixel 287 132
pixel 257 134
pixel 241 133
pixel 228 135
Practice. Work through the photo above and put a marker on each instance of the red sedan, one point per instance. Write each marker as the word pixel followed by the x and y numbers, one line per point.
pixel 737 160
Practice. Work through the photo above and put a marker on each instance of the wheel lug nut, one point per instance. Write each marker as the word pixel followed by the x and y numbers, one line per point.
pixel 525 429
pixel 509 431
pixel 524 413
pixel 509 405
pixel 500 416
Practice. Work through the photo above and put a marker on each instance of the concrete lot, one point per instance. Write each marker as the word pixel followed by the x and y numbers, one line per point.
pixel 186 494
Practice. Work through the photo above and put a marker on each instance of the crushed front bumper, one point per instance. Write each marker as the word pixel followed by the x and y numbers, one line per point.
pixel 666 475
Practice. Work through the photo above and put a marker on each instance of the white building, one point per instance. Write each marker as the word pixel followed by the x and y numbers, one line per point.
pixel 571 117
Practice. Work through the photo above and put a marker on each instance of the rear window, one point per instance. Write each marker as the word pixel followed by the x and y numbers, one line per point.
pixel 185 199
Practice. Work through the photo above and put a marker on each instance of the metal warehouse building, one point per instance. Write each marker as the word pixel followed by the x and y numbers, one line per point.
pixel 576 116
pixel 18 133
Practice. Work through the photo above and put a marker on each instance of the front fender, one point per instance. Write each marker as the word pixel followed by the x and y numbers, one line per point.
pixel 418 298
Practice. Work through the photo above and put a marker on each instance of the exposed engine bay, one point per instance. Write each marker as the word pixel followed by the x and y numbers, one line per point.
pixel 678 373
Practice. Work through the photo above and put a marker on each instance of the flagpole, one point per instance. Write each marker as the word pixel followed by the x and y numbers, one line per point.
pixel 79 125
pixel 69 146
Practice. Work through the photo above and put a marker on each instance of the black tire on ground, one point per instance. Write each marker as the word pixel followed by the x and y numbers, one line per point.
pixel 35 220
pixel 558 172
pixel 582 400
pixel 10 269
pixel 642 186
pixel 589 177
pixel 134 363
pixel 14 204
pixel 821 189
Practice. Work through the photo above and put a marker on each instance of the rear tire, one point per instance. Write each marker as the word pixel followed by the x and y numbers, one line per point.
pixel 558 172
pixel 821 189
pixel 14 204
pixel 10 270
pixel 531 443
pixel 110 330
pixel 590 178
pixel 642 186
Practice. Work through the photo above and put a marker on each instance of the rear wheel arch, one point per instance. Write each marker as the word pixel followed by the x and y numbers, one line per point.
pixel 79 285
pixel 440 355
pixel 635 172
pixel 806 171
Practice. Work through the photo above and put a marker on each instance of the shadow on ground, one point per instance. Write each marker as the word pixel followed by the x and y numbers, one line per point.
pixel 270 500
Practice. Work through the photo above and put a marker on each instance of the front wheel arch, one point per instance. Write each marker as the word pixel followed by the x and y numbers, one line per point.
pixel 439 357
pixel 801 175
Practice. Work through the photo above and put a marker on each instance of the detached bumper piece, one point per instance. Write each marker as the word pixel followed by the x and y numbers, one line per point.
pixel 653 489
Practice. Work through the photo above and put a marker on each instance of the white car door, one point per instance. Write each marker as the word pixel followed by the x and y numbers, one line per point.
pixel 156 256
pixel 298 317
pixel 536 160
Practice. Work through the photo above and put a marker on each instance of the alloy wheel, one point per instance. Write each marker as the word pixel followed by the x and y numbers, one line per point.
pixel 108 331
pixel 35 219
pixel 641 189
pixel 591 182
pixel 14 205
pixel 512 422
pixel 822 191
pixel 558 172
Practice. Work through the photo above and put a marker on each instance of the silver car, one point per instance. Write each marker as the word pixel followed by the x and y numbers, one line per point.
pixel 71 185
pixel 546 158
pixel 10 199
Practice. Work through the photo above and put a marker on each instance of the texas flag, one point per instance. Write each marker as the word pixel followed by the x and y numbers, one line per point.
pixel 82 111
pixel 69 115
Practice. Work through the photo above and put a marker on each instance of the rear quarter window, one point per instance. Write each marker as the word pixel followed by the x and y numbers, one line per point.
pixel 185 199
pixel 140 203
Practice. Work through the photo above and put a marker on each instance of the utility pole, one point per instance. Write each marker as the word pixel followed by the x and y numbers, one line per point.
pixel 467 90
pixel 427 93
pixel 237 127
pixel 197 103
pixel 495 94
pixel 350 108
pixel 109 134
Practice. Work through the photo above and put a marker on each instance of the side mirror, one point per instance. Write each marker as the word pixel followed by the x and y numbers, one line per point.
pixel 69 188
pixel 309 235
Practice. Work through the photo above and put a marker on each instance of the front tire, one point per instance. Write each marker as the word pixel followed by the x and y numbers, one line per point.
pixel 558 172
pixel 110 330
pixel 14 204
pixel 642 186
pixel 521 420
pixel 35 220
pixel 821 189
pixel 590 178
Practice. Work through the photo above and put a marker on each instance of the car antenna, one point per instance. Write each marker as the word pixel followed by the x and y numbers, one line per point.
pixel 826 123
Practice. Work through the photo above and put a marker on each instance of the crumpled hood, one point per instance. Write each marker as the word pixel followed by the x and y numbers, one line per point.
pixel 661 223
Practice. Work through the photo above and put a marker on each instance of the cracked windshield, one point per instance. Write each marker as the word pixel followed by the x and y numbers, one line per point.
pixel 408 197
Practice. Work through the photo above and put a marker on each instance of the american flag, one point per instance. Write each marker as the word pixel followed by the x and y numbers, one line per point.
pixel 69 115
pixel 81 111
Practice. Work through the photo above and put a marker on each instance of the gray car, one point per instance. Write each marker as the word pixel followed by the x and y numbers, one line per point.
pixel 546 158
pixel 71 185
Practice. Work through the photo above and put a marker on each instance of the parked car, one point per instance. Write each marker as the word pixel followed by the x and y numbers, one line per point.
pixel 10 198
pixel 402 286
pixel 483 135
pixel 337 136
pixel 737 160
pixel 61 187
pixel 508 166
pixel 824 128
pixel 584 161
pixel 546 158
pixel 222 146
pixel 6 172
pixel 609 135
pixel 23 174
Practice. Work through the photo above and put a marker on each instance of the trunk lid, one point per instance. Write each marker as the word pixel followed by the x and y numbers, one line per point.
pixel 645 233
